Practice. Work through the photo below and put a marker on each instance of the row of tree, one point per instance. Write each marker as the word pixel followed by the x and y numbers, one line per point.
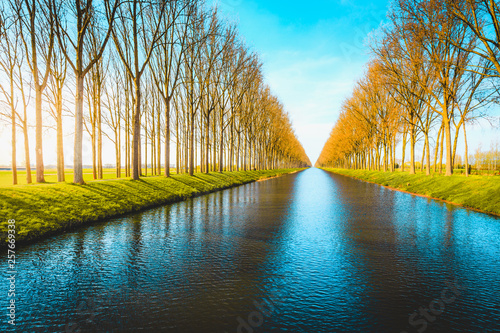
pixel 486 160
pixel 434 69
pixel 142 74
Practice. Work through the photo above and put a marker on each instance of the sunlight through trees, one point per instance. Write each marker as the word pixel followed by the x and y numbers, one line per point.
pixel 156 79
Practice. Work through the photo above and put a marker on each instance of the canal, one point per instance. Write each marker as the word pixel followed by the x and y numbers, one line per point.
pixel 306 252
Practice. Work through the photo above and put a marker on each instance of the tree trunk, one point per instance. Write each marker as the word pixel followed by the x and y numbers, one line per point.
pixel 117 153
pixel 214 148
pixel 385 157
pixel 207 144
pixel 153 143
pixel 139 167
pixel 78 153
pixel 39 134
pixel 437 149
pixel 186 149
pixel 27 150
pixel 394 152
pixel 244 155
pixel 412 150
pixel 466 154
pixel 405 137
pixel 191 146
pixel 423 157
pixel 14 152
pixel 99 136
pixel 202 150
pixel 441 152
pixel 391 157
pixel 93 139
pixel 238 153
pixel 428 155
pixel 145 145
pixel 136 123
pixel 60 144
pixel 177 146
pixel 221 150
pixel 455 142
pixel 158 143
pixel 231 145
pixel 449 165
pixel 127 130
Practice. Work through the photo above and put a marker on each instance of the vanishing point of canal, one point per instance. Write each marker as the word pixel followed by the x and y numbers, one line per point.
pixel 307 252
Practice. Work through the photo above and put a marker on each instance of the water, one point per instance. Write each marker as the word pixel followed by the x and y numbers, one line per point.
pixel 307 252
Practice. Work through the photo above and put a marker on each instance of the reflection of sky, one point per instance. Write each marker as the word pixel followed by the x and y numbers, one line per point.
pixel 340 255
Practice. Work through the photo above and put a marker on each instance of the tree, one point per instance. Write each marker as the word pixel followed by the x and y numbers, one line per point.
pixel 84 13
pixel 114 104
pixel 55 97
pixel 37 32
pixel 482 18
pixel 137 30
pixel 12 61
pixel 9 60
pixel 431 24
pixel 166 64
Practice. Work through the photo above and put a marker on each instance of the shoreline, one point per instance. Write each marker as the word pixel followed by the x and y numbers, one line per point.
pixel 351 174
pixel 47 210
pixel 289 173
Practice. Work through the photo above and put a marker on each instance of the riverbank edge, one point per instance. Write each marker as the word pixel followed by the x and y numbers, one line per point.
pixel 45 210
pixel 477 193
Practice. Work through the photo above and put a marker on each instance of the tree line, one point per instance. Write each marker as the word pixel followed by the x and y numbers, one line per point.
pixel 434 69
pixel 142 74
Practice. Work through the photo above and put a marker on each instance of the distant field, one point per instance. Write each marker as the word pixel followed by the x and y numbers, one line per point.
pixel 51 175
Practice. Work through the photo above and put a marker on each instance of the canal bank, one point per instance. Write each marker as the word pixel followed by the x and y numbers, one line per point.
pixel 46 209
pixel 480 193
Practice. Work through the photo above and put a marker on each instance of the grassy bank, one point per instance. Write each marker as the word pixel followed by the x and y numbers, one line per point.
pixel 477 192
pixel 44 209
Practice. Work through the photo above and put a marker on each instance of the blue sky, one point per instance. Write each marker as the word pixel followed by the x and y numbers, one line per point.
pixel 313 53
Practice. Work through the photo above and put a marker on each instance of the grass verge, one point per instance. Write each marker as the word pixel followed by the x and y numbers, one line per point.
pixel 45 209
pixel 478 192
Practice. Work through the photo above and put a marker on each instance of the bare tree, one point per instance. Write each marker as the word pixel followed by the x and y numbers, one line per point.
pixel 18 92
pixel 37 32
pixel 55 97
pixel 114 104
pixel 482 18
pixel 84 13
pixel 138 30
pixel 432 26
pixel 9 60
pixel 166 65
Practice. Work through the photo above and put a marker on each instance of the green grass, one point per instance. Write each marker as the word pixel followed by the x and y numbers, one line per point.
pixel 478 192
pixel 51 175
pixel 44 209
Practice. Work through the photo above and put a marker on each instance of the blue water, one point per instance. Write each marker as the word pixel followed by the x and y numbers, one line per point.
pixel 307 252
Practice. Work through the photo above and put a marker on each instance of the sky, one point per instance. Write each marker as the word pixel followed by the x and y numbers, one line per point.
pixel 313 52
